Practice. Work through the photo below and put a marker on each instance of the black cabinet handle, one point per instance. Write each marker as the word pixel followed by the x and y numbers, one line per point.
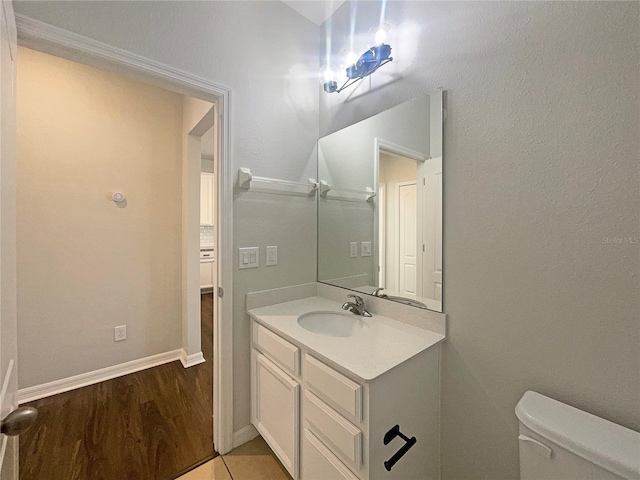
pixel 390 435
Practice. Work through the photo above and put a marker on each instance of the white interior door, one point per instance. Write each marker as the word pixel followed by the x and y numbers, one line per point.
pixel 408 236
pixel 8 325
pixel 432 229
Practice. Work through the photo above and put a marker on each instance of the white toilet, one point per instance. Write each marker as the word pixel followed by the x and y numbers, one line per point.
pixel 560 442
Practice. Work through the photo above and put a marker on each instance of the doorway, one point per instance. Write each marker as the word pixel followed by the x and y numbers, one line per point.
pixel 109 150
pixel 48 39
pixel 398 255
pixel 208 221
pixel 65 44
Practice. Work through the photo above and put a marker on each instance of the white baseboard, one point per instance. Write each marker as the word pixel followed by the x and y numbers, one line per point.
pixel 191 360
pixel 244 435
pixel 71 383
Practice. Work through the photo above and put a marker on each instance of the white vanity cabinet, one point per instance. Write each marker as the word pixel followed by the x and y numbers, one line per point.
pixel 276 409
pixel 326 423
pixel 275 394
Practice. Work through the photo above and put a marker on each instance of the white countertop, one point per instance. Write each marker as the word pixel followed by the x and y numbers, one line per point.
pixel 383 343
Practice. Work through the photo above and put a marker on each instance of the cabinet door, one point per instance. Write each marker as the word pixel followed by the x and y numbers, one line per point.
pixel 206 274
pixel 206 198
pixel 275 412
pixel 319 463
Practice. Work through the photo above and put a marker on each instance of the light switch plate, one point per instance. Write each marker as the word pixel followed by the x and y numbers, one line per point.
pixel 248 257
pixel 272 256
pixel 353 249
pixel 366 249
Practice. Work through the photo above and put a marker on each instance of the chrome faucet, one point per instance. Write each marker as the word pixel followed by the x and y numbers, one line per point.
pixel 376 292
pixel 356 307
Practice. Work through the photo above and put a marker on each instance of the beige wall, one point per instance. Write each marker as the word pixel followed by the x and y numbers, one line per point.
pixel 541 152
pixel 85 265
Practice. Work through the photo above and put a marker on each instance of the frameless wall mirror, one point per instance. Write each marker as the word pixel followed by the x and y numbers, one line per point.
pixel 380 204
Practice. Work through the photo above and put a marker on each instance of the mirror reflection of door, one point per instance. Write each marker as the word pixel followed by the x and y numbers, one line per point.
pixel 398 207
pixel 407 238
pixel 410 222
pixel 432 229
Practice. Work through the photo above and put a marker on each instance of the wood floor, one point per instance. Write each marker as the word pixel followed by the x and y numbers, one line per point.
pixel 150 425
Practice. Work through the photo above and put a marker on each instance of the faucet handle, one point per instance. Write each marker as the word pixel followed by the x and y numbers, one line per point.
pixel 357 298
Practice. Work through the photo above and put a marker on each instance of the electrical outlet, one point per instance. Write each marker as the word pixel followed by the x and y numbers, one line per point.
pixel 120 333
pixel 353 249
pixel 272 255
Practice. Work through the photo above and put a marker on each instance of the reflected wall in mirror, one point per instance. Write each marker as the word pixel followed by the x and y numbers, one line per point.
pixel 380 204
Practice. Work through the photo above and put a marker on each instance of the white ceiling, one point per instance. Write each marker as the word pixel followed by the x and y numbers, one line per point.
pixel 315 10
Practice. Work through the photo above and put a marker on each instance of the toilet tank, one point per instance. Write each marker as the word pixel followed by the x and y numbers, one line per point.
pixel 560 442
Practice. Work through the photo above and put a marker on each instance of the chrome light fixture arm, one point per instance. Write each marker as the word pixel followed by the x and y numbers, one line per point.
pixel 369 62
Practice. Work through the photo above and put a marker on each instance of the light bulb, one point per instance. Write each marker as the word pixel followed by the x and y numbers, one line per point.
pixel 383 32
pixel 350 59
pixel 326 74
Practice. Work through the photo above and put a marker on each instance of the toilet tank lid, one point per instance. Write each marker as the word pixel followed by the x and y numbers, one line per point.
pixel 611 446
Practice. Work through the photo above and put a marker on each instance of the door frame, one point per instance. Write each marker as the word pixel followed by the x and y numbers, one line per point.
pixel 8 258
pixel 382 235
pixel 56 41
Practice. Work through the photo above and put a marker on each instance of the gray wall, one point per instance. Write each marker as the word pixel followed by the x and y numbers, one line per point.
pixel 263 52
pixel 540 163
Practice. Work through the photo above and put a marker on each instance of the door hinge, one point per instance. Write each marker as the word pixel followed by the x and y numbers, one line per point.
pixel 423 248
pixel 220 292
pixel 424 181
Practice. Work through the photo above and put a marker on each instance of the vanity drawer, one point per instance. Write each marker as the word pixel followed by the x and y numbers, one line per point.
pixel 318 463
pixel 277 348
pixel 330 425
pixel 342 391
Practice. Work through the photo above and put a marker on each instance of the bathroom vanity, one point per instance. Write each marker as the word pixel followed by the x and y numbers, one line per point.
pixel 335 394
pixel 341 396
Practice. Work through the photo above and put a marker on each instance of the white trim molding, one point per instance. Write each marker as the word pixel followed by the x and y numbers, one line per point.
pixel 72 46
pixel 5 386
pixel 191 360
pixel 244 435
pixel 89 378
pixel 393 149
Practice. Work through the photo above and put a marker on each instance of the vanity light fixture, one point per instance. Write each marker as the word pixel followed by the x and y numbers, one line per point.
pixel 369 62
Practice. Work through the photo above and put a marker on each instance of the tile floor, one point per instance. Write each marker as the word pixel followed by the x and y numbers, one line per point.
pixel 252 461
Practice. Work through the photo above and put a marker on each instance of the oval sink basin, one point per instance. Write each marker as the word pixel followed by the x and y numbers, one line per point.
pixel 333 324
